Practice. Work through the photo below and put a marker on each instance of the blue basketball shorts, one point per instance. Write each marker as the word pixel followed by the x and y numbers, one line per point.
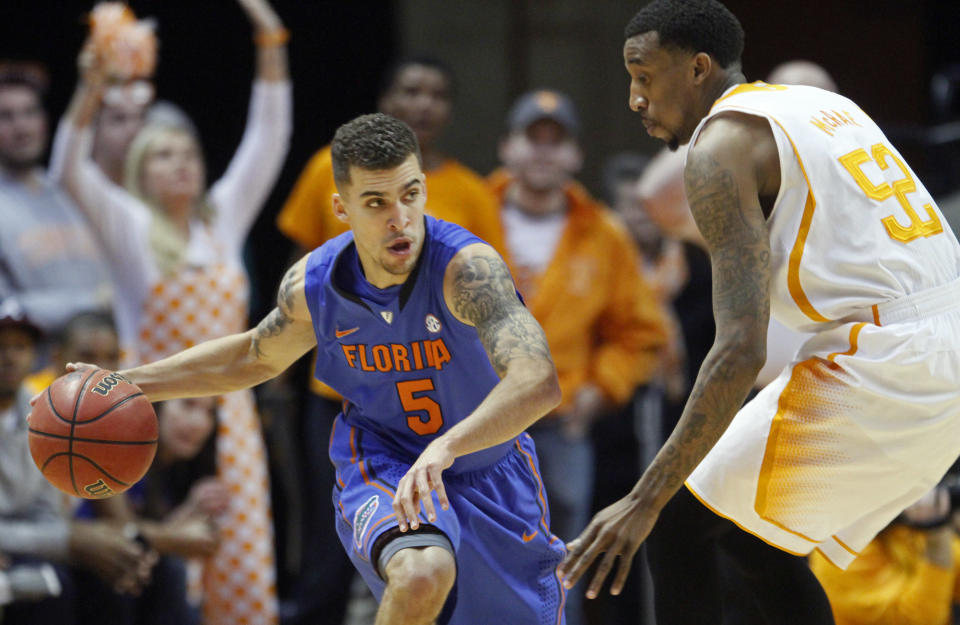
pixel 498 525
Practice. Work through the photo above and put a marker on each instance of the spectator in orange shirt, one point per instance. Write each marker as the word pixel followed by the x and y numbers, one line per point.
pixel 578 270
pixel 908 575
pixel 419 91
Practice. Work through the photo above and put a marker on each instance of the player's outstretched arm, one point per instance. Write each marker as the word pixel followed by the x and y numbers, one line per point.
pixel 237 361
pixel 479 291
pixel 725 174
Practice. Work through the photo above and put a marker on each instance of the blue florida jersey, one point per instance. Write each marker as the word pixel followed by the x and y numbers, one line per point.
pixel 407 368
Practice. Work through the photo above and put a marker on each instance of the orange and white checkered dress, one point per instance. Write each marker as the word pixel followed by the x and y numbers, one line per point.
pixel 195 305
pixel 205 298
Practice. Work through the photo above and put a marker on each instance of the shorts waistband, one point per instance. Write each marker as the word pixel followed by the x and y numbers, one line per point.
pixel 920 305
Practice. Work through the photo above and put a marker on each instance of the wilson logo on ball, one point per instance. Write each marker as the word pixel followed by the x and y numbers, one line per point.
pixel 98 489
pixel 106 384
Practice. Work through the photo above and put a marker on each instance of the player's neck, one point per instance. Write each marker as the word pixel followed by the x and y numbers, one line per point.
pixel 725 80
pixel 378 277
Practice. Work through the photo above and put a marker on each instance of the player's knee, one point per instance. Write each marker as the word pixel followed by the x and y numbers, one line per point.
pixel 427 573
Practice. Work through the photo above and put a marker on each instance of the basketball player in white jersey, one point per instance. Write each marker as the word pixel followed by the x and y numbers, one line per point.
pixel 810 213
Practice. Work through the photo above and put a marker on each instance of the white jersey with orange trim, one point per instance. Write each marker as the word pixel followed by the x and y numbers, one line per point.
pixel 866 419
pixel 852 225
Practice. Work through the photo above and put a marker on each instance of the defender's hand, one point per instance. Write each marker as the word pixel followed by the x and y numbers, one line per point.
pixel 418 484
pixel 617 530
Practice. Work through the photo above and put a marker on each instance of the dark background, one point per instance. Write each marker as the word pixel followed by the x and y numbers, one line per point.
pixel 882 54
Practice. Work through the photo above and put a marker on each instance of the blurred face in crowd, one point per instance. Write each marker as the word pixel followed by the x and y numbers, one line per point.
pixel 23 127
pixel 17 354
pixel 543 156
pixel 664 88
pixel 185 426
pixel 96 345
pixel 420 96
pixel 172 169
pixel 385 211
pixel 117 124
pixel 631 207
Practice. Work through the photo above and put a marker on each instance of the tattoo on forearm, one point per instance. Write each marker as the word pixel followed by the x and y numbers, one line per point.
pixel 485 295
pixel 278 319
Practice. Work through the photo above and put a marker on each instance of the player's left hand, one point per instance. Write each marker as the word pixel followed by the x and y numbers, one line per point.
pixel 617 530
pixel 418 485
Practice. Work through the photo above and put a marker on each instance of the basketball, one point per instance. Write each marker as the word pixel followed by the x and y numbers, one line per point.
pixel 93 433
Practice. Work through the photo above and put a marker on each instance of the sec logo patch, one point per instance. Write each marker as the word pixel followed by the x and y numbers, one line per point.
pixel 432 323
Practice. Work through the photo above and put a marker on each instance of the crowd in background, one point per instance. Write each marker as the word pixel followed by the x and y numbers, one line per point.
pixel 120 252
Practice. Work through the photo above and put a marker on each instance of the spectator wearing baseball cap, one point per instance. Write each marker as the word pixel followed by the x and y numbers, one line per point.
pixel 19 338
pixel 578 271
pixel 542 104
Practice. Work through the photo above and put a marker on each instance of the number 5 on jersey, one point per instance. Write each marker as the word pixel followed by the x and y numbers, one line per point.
pixel 413 399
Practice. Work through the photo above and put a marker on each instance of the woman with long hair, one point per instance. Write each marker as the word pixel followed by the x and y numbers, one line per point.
pixel 175 250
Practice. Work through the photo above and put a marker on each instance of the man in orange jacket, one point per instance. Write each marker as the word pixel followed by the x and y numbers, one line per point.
pixel 577 269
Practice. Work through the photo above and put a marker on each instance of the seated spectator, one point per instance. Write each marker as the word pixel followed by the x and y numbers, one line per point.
pixel 94 562
pixel 49 260
pixel 26 582
pixel 175 507
pixel 88 337
pixel 908 575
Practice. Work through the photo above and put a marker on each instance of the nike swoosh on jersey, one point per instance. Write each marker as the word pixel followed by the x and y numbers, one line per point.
pixel 342 333
pixel 528 537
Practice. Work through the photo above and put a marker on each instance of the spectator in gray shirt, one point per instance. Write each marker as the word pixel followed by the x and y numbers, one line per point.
pixel 49 259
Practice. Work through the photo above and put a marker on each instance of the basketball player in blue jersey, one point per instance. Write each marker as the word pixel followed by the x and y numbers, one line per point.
pixel 438 498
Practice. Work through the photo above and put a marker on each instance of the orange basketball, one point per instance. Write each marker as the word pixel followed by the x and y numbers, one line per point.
pixel 93 433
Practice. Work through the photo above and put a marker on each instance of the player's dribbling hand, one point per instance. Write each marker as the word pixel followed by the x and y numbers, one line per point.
pixel 418 485
pixel 71 366
pixel 617 530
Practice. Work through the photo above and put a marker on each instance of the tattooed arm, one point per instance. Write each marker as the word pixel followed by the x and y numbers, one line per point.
pixel 237 361
pixel 732 167
pixel 479 291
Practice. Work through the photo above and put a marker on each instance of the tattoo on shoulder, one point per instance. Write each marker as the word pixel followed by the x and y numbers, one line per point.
pixel 485 295
pixel 278 319
pixel 285 297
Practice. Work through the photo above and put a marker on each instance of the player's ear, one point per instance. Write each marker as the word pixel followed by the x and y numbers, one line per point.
pixel 340 209
pixel 701 65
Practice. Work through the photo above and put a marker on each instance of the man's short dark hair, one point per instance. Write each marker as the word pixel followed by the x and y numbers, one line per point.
pixel 374 142
pixel 393 71
pixel 34 76
pixel 692 25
